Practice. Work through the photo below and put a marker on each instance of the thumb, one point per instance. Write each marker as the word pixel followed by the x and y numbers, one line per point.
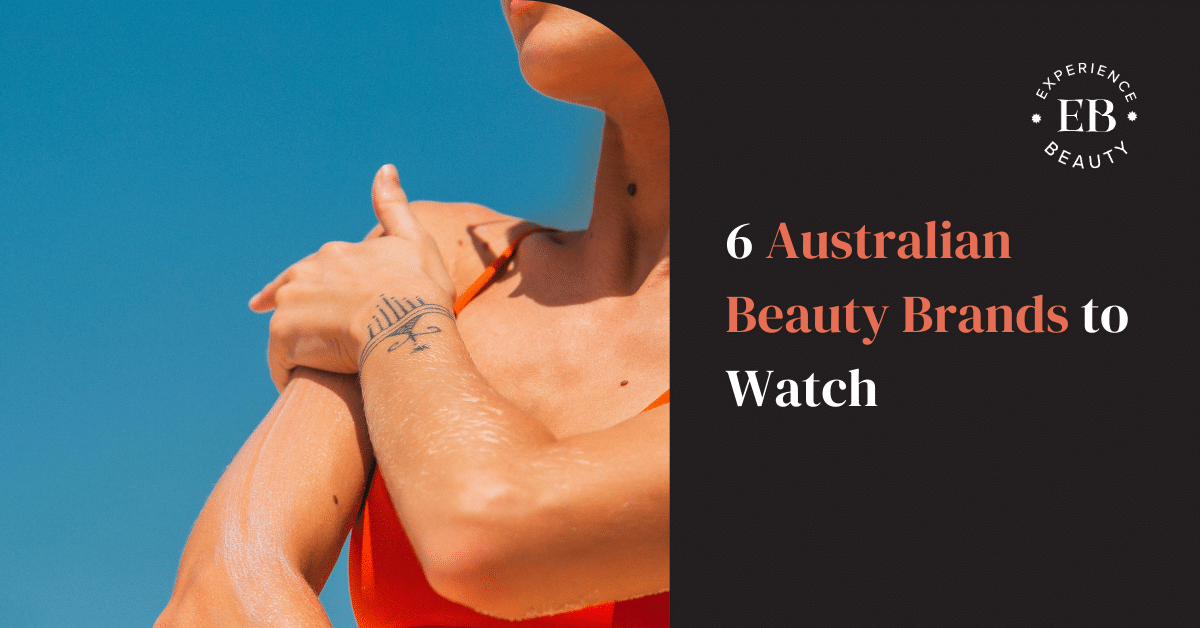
pixel 391 204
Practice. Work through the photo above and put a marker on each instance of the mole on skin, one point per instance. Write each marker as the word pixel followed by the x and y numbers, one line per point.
pixel 335 499
pixel 624 381
pixel 631 188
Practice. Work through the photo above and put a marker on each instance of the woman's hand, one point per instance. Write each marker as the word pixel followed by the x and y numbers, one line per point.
pixel 329 305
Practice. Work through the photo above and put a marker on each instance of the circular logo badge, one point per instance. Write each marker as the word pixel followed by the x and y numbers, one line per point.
pixel 1083 114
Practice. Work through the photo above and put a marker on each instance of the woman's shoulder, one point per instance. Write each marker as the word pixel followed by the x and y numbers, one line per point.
pixel 469 235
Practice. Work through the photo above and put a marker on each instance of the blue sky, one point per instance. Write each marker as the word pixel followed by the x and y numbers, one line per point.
pixel 159 162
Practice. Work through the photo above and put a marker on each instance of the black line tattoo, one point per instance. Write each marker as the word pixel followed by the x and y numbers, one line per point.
pixel 385 302
pixel 406 328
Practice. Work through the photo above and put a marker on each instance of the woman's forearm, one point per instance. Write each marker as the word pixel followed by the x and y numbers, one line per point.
pixel 505 517
pixel 273 527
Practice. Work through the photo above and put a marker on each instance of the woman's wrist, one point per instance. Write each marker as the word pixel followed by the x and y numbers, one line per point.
pixel 399 323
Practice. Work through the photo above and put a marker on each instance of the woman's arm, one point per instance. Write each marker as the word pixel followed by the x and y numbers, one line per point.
pixel 272 529
pixel 504 517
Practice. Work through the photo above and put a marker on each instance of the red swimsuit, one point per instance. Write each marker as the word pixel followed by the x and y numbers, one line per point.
pixel 388 588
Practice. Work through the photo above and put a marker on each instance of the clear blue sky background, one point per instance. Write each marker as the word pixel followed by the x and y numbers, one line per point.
pixel 159 162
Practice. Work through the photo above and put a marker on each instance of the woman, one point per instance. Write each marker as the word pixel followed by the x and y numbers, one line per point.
pixel 520 479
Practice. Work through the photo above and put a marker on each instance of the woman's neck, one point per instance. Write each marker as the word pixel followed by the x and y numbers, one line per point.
pixel 627 242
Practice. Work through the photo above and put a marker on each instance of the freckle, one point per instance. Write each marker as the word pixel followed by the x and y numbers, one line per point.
pixel 335 499
pixel 624 381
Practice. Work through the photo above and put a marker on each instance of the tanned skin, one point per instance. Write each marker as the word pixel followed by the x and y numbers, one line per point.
pixel 526 459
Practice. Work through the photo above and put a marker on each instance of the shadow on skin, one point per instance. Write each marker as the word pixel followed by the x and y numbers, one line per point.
pixel 565 291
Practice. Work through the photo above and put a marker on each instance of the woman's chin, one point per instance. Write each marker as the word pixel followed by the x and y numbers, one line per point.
pixel 579 72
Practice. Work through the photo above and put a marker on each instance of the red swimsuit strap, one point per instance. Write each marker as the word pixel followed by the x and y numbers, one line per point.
pixel 490 272
pixel 663 399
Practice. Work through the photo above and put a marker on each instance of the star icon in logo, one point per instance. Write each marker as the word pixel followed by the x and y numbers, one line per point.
pixel 1036 118
pixel 1132 116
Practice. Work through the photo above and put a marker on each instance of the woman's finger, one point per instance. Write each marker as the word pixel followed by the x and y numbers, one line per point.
pixel 391 204
pixel 264 301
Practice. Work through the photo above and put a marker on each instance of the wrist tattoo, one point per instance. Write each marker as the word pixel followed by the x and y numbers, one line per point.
pixel 399 322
